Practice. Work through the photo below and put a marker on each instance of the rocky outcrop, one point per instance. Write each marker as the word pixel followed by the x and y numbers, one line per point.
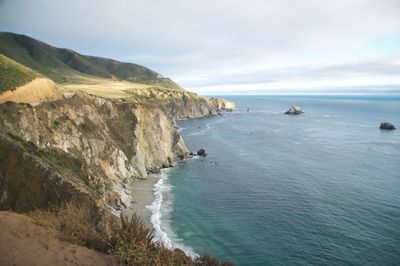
pixel 202 152
pixel 85 148
pixel 179 104
pixel 294 110
pixel 387 126
pixel 223 104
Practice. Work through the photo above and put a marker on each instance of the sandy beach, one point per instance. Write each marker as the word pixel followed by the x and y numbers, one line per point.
pixel 142 196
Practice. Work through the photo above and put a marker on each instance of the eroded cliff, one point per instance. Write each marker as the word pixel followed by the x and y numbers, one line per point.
pixel 89 149
pixel 180 104
pixel 85 146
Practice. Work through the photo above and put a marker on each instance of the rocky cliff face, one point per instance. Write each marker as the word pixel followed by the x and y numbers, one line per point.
pixel 84 147
pixel 90 149
pixel 182 104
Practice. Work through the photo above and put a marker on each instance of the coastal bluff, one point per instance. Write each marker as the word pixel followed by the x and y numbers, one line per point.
pixel 85 148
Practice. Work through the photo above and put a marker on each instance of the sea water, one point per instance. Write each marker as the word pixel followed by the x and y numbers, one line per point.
pixel 321 188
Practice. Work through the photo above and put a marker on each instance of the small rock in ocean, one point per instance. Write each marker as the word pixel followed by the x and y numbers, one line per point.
pixel 387 126
pixel 202 152
pixel 294 110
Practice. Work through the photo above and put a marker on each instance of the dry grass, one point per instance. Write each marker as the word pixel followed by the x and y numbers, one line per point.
pixel 106 88
pixel 77 226
pixel 130 240
pixel 121 90
pixel 75 223
pixel 37 90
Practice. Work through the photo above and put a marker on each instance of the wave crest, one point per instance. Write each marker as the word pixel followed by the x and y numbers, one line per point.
pixel 160 212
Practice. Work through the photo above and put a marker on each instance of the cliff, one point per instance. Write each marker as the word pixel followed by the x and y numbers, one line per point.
pixel 85 146
pixel 180 104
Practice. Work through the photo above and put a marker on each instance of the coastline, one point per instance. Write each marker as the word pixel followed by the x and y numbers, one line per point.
pixel 152 201
pixel 142 193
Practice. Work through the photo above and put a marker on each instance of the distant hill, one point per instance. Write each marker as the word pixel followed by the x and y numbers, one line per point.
pixel 64 65
pixel 13 74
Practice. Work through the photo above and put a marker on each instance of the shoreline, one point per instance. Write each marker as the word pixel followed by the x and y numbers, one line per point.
pixel 142 193
pixel 152 202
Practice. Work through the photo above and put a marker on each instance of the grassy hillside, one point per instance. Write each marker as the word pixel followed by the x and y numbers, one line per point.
pixel 13 74
pixel 64 65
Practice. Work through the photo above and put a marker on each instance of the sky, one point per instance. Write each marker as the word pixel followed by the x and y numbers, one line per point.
pixel 230 46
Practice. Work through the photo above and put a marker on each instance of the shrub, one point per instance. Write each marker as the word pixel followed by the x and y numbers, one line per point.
pixel 77 225
pixel 129 239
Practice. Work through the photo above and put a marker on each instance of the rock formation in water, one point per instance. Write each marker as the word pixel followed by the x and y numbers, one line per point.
pixel 294 110
pixel 202 152
pixel 387 126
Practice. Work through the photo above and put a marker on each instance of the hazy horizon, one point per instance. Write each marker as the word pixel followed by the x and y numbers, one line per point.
pixel 230 47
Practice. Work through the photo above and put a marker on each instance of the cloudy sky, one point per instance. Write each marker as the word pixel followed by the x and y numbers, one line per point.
pixel 230 46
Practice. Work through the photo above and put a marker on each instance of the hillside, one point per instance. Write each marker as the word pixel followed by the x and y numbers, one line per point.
pixel 44 245
pixel 13 74
pixel 64 65
pixel 21 84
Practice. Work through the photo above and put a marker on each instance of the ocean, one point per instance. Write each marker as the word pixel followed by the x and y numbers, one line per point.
pixel 321 188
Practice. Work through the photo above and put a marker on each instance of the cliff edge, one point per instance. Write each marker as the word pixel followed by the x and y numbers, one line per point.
pixel 44 246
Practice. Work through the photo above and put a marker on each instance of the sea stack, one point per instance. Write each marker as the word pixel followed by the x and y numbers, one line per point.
pixel 387 126
pixel 202 152
pixel 294 110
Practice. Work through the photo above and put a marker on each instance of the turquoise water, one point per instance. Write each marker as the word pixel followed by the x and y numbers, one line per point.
pixel 322 188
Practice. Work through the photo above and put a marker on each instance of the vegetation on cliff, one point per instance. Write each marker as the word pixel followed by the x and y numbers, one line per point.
pixel 13 74
pixel 128 239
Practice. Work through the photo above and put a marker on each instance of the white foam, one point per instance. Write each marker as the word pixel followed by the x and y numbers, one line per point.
pixel 161 209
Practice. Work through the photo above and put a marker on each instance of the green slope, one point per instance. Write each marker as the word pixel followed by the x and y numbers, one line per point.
pixel 64 65
pixel 13 74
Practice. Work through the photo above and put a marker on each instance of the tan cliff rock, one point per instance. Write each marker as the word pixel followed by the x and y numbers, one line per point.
pixel 181 104
pixel 223 104
pixel 84 145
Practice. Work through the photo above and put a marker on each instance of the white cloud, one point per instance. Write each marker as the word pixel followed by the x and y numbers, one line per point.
pixel 207 42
